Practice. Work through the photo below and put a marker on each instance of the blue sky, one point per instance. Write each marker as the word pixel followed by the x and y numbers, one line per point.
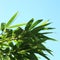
pixel 45 9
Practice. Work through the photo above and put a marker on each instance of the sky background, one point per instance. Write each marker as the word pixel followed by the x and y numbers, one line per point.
pixel 37 9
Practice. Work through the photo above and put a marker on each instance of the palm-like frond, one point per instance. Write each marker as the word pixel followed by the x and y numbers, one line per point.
pixel 23 44
pixel 33 34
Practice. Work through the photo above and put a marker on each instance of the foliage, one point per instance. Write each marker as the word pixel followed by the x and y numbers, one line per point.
pixel 22 43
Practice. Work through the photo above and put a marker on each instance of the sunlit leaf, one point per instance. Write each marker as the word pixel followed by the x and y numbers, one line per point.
pixel 45 22
pixel 18 25
pixel 11 19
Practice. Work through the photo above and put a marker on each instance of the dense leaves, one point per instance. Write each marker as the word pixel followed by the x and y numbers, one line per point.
pixel 24 43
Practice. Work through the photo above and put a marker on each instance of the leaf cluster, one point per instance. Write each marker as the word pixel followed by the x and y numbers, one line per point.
pixel 22 44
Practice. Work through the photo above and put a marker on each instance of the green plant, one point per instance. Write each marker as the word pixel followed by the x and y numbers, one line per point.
pixel 22 43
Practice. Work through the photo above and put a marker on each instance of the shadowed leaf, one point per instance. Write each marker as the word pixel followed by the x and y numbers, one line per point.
pixel 29 24
pixel 46 32
pixel 3 25
pixel 44 55
pixel 35 23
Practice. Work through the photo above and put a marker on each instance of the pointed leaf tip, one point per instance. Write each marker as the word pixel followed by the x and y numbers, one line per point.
pixel 28 25
pixel 11 19
pixel 35 23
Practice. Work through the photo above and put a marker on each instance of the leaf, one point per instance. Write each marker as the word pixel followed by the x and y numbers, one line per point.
pixel 49 51
pixel 44 37
pixel 36 23
pixel 3 25
pixel 32 56
pixel 46 32
pixel 40 38
pixel 41 46
pixel 48 28
pixel 42 27
pixel 40 52
pixel 18 31
pixel 45 22
pixel 11 19
pixel 5 57
pixel 44 55
pixel 29 24
pixel 37 29
pixel 18 25
pixel 9 32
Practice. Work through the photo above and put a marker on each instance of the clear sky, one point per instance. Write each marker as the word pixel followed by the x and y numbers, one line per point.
pixel 45 9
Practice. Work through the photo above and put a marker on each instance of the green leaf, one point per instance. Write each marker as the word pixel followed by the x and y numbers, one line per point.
pixel 44 38
pixel 42 27
pixel 9 32
pixel 22 44
pixel 5 57
pixel 36 23
pixel 46 32
pixel 49 51
pixel 18 31
pixel 42 47
pixel 11 20
pixel 18 25
pixel 45 22
pixel 40 38
pixel 29 24
pixel 37 29
pixel 47 28
pixel 40 52
pixel 32 56
pixel 3 25
pixel 44 55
